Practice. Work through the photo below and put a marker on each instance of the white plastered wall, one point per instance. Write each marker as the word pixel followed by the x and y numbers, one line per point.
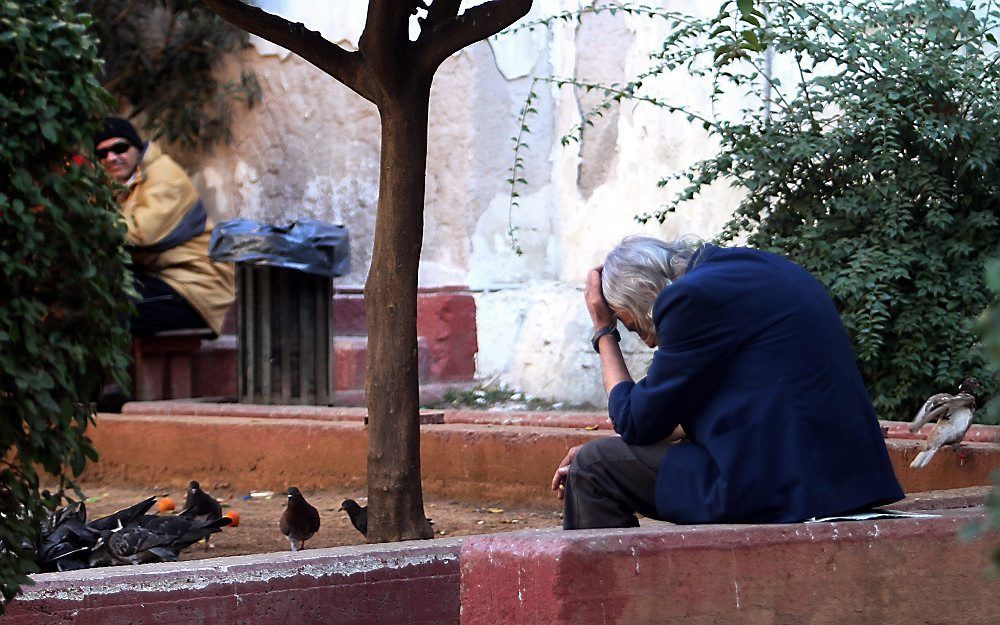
pixel 311 150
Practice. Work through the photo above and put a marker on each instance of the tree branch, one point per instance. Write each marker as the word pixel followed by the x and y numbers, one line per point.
pixel 439 38
pixel 438 12
pixel 385 39
pixel 347 67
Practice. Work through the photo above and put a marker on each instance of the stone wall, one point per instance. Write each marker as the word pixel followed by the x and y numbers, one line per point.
pixel 311 150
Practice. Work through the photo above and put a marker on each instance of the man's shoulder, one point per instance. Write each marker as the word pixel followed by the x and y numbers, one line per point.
pixel 722 263
pixel 716 254
pixel 731 275
pixel 159 165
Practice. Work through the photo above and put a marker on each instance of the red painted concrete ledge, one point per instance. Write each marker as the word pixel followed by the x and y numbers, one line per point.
pixel 414 583
pixel 881 572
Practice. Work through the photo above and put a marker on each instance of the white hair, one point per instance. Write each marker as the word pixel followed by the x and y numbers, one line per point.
pixel 639 268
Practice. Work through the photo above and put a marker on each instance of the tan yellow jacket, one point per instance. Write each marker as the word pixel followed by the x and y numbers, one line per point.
pixel 168 235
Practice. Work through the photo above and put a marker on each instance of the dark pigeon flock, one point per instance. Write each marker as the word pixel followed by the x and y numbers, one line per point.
pixel 69 541
pixel 130 536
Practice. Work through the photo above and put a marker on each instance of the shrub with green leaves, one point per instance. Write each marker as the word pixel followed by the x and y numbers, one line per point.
pixel 162 61
pixel 874 165
pixel 990 327
pixel 62 266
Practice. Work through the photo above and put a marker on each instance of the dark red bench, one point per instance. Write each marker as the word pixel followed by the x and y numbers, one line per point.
pixel 163 363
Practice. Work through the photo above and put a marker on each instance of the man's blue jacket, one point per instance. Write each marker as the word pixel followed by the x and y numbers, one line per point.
pixel 754 363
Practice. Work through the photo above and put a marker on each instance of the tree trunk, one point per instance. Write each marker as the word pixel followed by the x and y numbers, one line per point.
pixel 395 74
pixel 395 501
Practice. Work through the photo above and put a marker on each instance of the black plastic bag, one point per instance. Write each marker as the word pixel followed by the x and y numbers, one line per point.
pixel 307 245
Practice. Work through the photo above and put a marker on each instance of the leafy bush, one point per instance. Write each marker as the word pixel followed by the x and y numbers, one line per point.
pixel 876 168
pixel 161 60
pixel 62 266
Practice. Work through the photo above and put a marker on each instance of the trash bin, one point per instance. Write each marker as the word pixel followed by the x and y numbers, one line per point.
pixel 285 291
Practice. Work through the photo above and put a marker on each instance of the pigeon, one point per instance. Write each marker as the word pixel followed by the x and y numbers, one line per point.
pixel 299 521
pixel 99 553
pixel 160 538
pixel 66 540
pixel 954 415
pixel 123 516
pixel 358 514
pixel 200 505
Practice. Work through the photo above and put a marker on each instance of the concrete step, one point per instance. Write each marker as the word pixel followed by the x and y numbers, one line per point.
pixel 462 457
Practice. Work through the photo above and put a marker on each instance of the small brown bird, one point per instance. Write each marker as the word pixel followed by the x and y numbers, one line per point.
pixel 358 514
pixel 200 505
pixel 954 415
pixel 299 521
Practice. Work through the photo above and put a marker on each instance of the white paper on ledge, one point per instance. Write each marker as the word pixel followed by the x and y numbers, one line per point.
pixel 873 514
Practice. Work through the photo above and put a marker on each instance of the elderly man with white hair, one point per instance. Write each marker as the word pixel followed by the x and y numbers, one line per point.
pixel 752 411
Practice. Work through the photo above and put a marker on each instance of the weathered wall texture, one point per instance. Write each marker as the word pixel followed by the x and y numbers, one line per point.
pixel 311 150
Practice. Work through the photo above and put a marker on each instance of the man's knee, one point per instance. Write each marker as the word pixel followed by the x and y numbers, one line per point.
pixel 599 450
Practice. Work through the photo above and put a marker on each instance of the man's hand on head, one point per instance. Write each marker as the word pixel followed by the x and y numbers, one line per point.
pixel 600 313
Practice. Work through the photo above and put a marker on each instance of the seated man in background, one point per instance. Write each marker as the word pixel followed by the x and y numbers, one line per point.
pixel 752 411
pixel 179 286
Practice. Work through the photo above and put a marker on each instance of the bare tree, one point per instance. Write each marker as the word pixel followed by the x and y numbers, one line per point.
pixel 395 74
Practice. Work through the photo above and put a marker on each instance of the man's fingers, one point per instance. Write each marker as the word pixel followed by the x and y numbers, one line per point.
pixel 558 477
pixel 559 480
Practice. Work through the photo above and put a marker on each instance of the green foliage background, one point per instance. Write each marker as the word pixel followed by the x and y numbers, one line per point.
pixel 990 323
pixel 876 168
pixel 62 266
pixel 163 61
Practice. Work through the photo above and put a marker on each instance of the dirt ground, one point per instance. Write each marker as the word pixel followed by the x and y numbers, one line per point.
pixel 259 514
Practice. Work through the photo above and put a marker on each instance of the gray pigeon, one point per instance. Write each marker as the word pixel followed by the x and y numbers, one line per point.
pixel 954 414
pixel 159 538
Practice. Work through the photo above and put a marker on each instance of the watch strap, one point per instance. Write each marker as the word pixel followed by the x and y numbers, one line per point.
pixel 610 329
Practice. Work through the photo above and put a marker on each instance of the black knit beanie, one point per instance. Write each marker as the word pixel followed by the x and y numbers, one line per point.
pixel 118 127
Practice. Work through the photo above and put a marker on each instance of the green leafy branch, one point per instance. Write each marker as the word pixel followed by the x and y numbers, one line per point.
pixel 576 15
pixel 516 178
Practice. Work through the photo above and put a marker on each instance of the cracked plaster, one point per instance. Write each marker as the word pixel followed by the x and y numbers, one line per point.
pixel 311 149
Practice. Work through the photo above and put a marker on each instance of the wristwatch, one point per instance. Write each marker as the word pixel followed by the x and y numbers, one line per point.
pixel 611 329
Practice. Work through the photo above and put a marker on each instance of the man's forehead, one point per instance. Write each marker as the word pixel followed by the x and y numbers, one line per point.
pixel 111 141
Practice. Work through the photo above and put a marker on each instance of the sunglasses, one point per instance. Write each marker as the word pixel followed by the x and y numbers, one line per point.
pixel 118 148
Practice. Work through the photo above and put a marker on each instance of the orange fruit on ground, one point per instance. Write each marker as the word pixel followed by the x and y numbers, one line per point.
pixel 235 516
pixel 166 504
